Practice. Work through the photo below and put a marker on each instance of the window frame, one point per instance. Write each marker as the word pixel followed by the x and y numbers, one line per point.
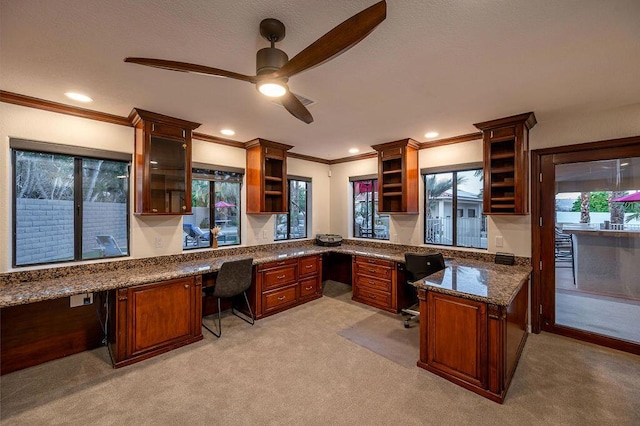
pixel 454 170
pixel 77 154
pixel 210 172
pixel 374 183
pixel 290 179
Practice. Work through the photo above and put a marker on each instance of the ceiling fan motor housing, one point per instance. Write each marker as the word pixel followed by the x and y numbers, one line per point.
pixel 270 59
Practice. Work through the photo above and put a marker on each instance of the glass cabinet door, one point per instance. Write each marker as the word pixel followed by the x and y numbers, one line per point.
pixel 167 175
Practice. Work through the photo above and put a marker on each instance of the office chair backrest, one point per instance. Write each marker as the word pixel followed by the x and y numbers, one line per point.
pixel 233 278
pixel 419 265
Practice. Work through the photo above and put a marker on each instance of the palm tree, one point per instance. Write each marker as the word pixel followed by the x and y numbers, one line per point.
pixel 585 217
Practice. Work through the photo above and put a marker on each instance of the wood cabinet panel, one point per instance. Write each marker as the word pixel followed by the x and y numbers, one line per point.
pixel 308 266
pixel 150 319
pixel 398 177
pixel 372 296
pixel 373 261
pixel 309 287
pixel 158 314
pixel 379 272
pixel 379 283
pixel 374 283
pixel 457 337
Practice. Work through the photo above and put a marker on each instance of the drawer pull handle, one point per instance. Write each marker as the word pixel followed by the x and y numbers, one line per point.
pixel 281 298
pixel 371 282
pixel 371 261
pixel 280 263
pixel 372 296
pixel 372 270
pixel 309 266
pixel 309 288
pixel 154 210
pixel 280 277
pixel 186 286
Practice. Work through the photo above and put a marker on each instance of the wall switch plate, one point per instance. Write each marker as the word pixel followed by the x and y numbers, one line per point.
pixel 499 241
pixel 80 300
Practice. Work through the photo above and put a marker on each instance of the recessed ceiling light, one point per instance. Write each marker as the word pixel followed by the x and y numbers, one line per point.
pixel 354 151
pixel 78 97
pixel 227 132
pixel 431 135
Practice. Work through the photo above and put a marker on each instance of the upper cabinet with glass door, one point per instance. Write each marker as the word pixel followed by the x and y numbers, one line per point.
pixel 398 177
pixel 505 147
pixel 162 164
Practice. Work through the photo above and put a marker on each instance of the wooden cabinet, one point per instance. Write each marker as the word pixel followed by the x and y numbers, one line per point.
pixel 506 145
pixel 287 283
pixel 379 283
pixel 150 319
pixel 162 163
pixel 474 344
pixel 398 177
pixel 267 177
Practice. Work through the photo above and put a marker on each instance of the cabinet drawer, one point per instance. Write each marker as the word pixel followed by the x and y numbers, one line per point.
pixel 170 131
pixel 372 270
pixel 372 297
pixel 308 287
pixel 279 263
pixel 279 277
pixel 374 261
pixel 280 298
pixel 373 283
pixel 308 265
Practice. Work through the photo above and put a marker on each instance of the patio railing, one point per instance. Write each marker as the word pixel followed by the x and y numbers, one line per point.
pixel 472 231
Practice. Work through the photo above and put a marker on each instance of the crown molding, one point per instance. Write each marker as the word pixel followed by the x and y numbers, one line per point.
pixel 450 141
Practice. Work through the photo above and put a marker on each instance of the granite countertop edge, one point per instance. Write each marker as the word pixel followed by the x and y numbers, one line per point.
pixel 37 290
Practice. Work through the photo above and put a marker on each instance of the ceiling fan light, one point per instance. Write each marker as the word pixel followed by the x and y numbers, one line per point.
pixel 273 89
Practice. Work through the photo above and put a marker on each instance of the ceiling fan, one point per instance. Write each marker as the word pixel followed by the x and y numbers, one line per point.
pixel 273 66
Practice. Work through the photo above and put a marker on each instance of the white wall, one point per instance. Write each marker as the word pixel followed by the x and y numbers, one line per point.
pixel 150 235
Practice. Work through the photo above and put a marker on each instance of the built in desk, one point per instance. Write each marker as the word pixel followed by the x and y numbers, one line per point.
pixel 473 324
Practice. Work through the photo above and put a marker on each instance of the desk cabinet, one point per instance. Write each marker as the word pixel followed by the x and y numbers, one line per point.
pixel 379 283
pixel 150 319
pixel 287 283
pixel 474 344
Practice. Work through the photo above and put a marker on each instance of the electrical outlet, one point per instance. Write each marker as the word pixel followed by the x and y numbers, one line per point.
pixel 499 241
pixel 265 234
pixel 158 242
pixel 394 238
pixel 80 300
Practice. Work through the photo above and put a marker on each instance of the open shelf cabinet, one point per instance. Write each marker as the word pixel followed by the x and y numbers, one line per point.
pixel 266 177
pixel 398 177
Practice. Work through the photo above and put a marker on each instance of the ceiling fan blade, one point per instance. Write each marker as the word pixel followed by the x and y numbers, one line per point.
pixel 336 41
pixel 295 107
pixel 190 68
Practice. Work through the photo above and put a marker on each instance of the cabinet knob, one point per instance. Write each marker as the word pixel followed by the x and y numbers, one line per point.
pixel 184 207
pixel 184 146
pixel 186 286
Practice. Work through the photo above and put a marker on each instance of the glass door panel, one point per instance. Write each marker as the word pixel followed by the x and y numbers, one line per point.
pixel 597 247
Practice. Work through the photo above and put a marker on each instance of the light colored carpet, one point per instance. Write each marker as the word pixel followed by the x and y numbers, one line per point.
pixel 294 368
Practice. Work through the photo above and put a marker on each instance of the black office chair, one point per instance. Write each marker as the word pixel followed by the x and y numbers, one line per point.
pixel 234 278
pixel 418 266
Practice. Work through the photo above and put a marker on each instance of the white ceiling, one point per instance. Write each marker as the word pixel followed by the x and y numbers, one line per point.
pixel 431 65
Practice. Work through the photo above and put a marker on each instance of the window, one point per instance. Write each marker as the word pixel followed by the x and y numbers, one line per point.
pixel 215 199
pixel 454 191
pixel 367 223
pixel 68 206
pixel 293 225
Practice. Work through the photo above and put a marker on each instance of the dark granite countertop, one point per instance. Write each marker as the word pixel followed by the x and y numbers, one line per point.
pixel 481 281
pixel 38 285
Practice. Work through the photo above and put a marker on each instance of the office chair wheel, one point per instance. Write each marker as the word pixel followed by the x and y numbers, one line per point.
pixel 406 323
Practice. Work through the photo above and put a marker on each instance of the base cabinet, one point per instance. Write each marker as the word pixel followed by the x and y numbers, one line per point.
pixel 150 319
pixel 473 344
pixel 287 283
pixel 380 283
